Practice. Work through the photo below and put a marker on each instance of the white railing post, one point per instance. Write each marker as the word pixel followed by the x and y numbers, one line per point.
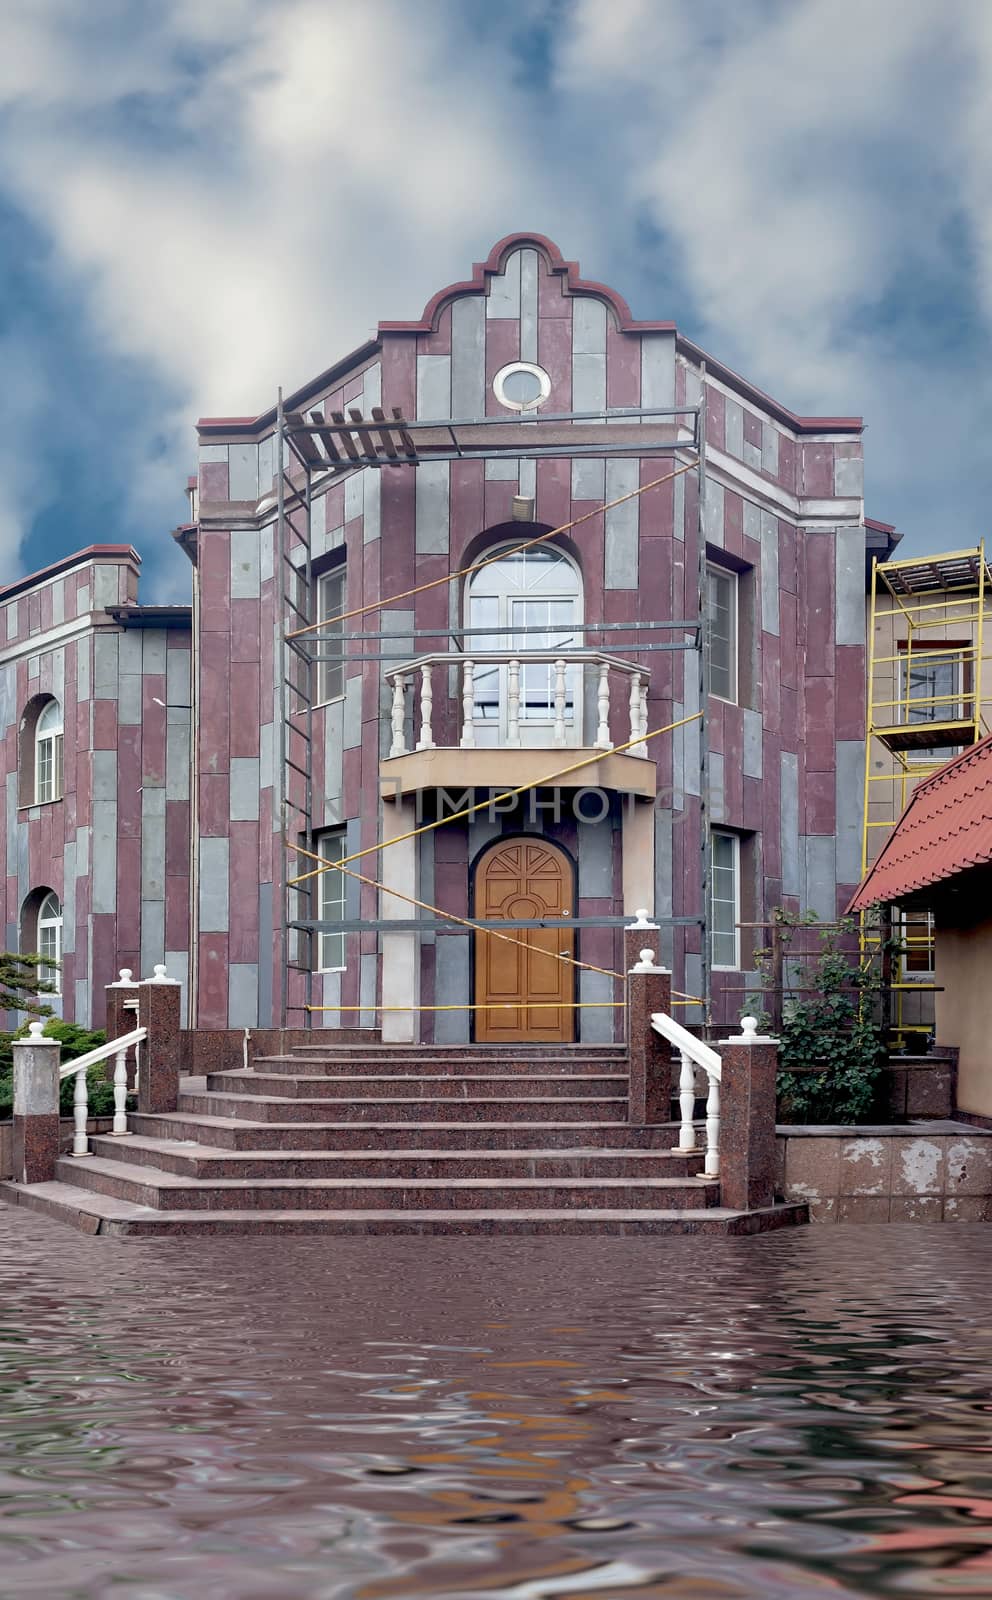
pixel 642 749
pixel 711 1167
pixel 687 1102
pixel 426 740
pixel 559 734
pixel 398 746
pixel 603 708
pixel 468 705
pixel 637 727
pixel 80 1113
pixel 120 1094
pixel 513 703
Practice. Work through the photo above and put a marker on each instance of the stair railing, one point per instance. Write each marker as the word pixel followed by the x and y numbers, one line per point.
pixel 694 1053
pixel 115 1049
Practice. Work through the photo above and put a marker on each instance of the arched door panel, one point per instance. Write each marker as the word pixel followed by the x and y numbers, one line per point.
pixel 526 987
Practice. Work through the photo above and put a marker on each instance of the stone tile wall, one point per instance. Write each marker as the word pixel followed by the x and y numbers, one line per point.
pixel 917 1172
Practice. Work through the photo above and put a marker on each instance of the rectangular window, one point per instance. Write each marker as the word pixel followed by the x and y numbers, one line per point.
pixel 933 688
pixel 331 900
pixel 725 899
pixel 49 773
pixel 330 604
pixel 721 621
pixel 915 931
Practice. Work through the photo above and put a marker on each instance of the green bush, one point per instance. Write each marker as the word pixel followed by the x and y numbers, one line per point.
pixel 832 1049
pixel 75 1041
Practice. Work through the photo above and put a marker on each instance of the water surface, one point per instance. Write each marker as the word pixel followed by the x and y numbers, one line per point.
pixel 800 1415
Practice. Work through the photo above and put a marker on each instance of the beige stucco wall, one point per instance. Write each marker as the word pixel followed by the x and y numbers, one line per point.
pixel 964 976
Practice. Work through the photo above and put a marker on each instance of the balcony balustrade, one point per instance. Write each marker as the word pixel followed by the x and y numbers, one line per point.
pixel 519 699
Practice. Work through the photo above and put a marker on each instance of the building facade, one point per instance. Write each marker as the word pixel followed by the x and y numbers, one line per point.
pixel 95 721
pixel 370 651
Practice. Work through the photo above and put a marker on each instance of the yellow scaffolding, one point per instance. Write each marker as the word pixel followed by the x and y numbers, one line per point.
pixel 926 653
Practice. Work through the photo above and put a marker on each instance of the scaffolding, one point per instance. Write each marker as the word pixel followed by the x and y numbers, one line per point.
pixel 925 703
pixel 314 451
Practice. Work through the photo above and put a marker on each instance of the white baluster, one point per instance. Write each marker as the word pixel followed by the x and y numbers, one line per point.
pixel 468 705
pixel 603 707
pixel 120 1092
pixel 635 706
pixel 426 740
pixel 398 746
pixel 642 749
pixel 559 735
pixel 80 1104
pixel 513 704
pixel 712 1164
pixel 687 1103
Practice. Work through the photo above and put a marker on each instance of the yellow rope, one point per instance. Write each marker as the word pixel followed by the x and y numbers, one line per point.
pixel 477 566
pixel 449 916
pixel 493 800
pixel 500 1005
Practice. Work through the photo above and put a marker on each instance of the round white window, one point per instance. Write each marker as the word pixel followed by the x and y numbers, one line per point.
pixel 521 386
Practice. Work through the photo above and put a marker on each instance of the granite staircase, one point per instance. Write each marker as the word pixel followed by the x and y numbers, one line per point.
pixel 366 1139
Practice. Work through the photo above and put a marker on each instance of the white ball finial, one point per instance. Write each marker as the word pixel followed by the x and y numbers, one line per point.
pixel 647 957
pixel 642 920
pixel 749 1029
pixel 126 975
pixel 160 974
pixel 36 1029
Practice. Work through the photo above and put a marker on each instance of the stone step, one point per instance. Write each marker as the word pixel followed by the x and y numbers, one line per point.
pixel 432 1065
pixel 388 1086
pixel 239 1133
pixel 151 1186
pixel 273 1108
pixel 205 1161
pixel 463 1052
pixel 97 1213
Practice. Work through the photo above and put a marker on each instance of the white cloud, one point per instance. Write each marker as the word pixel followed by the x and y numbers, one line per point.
pixel 235 193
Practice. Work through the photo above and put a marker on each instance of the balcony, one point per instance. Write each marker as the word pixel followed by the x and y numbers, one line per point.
pixel 503 717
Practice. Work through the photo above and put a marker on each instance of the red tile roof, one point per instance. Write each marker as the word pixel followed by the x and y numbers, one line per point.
pixel 945 829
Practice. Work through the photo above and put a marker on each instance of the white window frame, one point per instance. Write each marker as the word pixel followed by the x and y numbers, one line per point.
pixel 490 583
pixel 332 902
pixel 48 754
pixel 917 974
pixel 715 570
pixel 543 380
pixel 722 966
pixel 50 921
pixel 954 653
pixel 331 680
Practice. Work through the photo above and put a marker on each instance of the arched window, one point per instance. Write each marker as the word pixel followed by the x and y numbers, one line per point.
pixel 41 933
pixel 40 756
pixel 532 601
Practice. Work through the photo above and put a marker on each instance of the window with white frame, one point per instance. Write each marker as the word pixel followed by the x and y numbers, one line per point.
pixel 914 929
pixel 932 688
pixel 725 900
pixel 48 754
pixel 331 903
pixel 50 940
pixel 330 642
pixel 721 628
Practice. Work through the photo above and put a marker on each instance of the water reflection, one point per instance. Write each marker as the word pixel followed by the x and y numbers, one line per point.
pixel 793 1416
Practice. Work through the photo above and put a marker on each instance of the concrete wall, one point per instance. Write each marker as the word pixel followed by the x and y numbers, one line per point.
pixel 931 1172
pixel 783 510
pixel 115 847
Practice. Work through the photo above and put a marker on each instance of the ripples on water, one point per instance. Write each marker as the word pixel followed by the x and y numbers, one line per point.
pixel 800 1415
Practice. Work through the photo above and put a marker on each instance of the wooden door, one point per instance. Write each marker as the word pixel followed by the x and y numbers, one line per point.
pixel 524 878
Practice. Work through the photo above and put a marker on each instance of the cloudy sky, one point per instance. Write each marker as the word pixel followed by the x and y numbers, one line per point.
pixel 201 199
